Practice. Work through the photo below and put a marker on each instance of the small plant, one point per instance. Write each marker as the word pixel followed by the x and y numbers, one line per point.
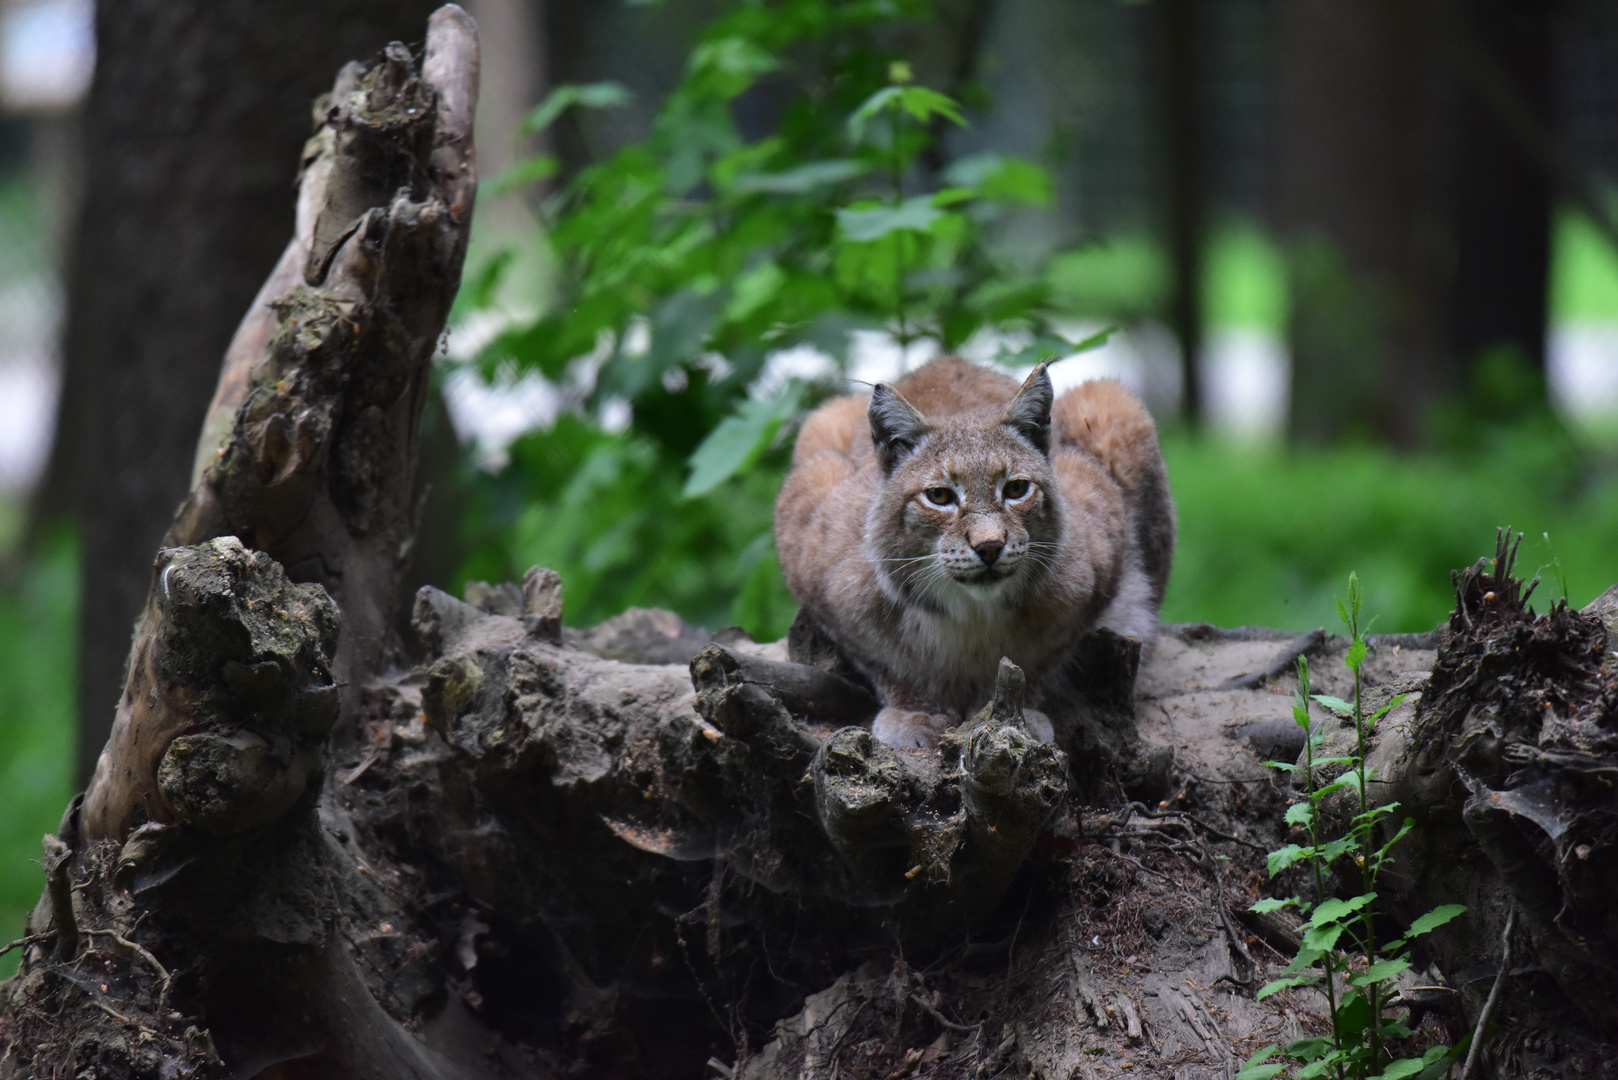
pixel 1341 955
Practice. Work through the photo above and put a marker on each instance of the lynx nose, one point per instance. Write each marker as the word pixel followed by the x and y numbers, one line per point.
pixel 989 550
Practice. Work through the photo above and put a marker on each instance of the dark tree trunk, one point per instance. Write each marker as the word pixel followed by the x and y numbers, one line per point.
pixel 1500 202
pixel 193 128
pixel 1352 183
pixel 1183 28
pixel 1417 162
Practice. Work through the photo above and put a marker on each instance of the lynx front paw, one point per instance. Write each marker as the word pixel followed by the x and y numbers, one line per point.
pixel 904 729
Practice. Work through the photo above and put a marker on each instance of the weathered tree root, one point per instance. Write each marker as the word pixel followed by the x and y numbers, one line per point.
pixel 1510 751
pixel 202 838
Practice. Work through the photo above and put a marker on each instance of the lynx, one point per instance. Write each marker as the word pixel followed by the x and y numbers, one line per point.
pixel 956 518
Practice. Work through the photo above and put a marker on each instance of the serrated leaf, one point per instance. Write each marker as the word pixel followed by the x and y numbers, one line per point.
pixel 1400 1069
pixel 739 439
pixel 924 104
pixel 1333 910
pixel 1283 857
pixel 1380 971
pixel 1322 938
pixel 1277 985
pixel 1393 703
pixel 1255 1069
pixel 1356 655
pixel 873 223
pixel 1342 612
pixel 1335 704
pixel 1300 813
pixel 1434 919
pixel 1270 903
pixel 601 95
pixel 1331 852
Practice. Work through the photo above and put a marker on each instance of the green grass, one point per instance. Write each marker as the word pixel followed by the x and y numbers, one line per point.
pixel 1268 536
pixel 38 614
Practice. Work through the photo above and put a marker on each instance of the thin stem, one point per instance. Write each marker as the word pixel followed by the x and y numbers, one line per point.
pixel 1494 994
pixel 1327 961
pixel 1367 830
pixel 896 167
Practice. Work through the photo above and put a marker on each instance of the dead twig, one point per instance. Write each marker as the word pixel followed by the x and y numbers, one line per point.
pixel 1494 994
pixel 1282 663
pixel 24 942
pixel 137 949
pixel 948 1024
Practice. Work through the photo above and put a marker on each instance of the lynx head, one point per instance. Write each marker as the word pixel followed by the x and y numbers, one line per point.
pixel 969 511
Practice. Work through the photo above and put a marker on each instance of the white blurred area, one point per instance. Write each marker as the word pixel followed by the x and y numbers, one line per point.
pixel 47 57
pixel 47 54
pixel 1581 372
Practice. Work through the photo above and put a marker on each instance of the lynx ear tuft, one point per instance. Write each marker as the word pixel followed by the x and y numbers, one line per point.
pixel 1029 413
pixel 896 426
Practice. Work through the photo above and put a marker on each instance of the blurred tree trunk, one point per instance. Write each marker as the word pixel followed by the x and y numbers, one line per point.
pixel 1419 218
pixel 1500 203
pixel 1351 134
pixel 193 128
pixel 1182 32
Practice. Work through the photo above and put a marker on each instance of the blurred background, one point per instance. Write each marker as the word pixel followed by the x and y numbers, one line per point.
pixel 1359 257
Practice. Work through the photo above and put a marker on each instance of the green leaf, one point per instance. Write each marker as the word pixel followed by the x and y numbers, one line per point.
pixel 1271 904
pixel 1356 654
pixel 1401 1068
pixel 1255 1069
pixel 920 103
pixel 1380 971
pixel 1300 813
pixel 1331 852
pixel 753 290
pixel 1393 703
pixel 1342 613
pixel 1283 857
pixel 1322 938
pixel 1002 179
pixel 601 95
pixel 1335 704
pixel 800 180
pixel 924 104
pixel 870 108
pixel 739 440
pixel 1333 910
pixel 1434 919
pixel 1277 985
pixel 873 223
pixel 1354 596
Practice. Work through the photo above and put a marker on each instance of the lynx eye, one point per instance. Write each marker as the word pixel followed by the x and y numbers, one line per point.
pixel 940 496
pixel 1014 490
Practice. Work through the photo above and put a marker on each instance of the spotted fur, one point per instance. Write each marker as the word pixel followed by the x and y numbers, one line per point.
pixel 956 518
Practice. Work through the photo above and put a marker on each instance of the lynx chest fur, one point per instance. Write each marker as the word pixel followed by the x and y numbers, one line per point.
pixel 956 518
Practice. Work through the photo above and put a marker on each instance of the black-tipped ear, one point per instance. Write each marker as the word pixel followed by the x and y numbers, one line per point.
pixel 1029 413
pixel 896 426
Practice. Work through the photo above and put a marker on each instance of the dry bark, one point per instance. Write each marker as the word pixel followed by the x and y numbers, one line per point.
pixel 546 852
